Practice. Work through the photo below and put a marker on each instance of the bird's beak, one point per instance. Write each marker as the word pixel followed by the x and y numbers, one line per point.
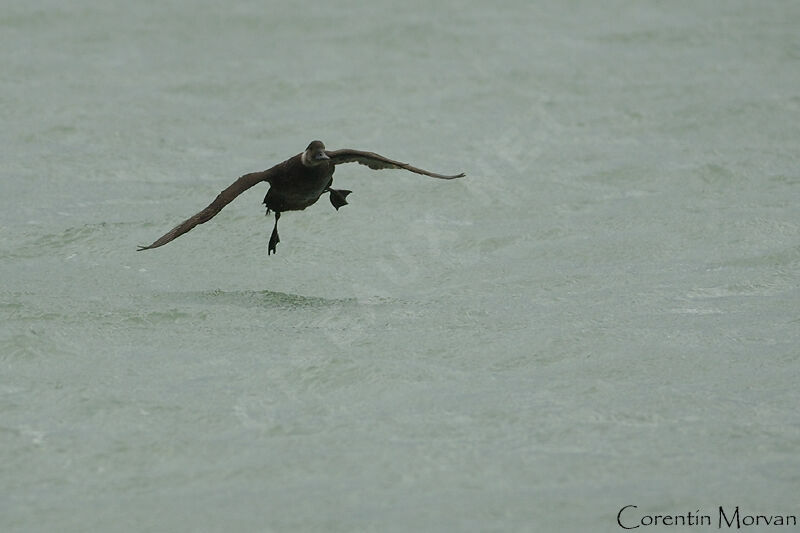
pixel 321 156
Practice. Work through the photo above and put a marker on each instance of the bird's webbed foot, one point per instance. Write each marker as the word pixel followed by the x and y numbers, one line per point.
pixel 274 239
pixel 339 197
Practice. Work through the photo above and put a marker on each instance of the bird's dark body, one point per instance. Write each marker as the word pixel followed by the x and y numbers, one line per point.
pixel 298 186
pixel 294 185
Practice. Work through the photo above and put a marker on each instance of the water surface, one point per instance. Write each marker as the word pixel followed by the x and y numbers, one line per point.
pixel 604 312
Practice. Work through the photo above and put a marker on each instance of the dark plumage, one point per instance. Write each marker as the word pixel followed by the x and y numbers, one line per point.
pixel 294 185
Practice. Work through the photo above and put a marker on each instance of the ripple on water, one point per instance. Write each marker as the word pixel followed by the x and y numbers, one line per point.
pixel 259 299
pixel 47 243
pixel 30 344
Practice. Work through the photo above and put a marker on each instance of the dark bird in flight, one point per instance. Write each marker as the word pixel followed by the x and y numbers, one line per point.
pixel 294 185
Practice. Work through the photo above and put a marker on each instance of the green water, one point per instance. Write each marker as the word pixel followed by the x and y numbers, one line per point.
pixel 603 313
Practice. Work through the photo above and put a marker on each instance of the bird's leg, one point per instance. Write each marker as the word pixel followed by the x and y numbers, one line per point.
pixel 274 239
pixel 338 197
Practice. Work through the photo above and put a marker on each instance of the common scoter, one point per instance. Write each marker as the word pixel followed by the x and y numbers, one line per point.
pixel 294 185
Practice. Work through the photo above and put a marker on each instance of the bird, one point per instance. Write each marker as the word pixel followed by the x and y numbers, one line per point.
pixel 294 185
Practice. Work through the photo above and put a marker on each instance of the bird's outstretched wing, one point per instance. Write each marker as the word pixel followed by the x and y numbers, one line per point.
pixel 377 162
pixel 222 199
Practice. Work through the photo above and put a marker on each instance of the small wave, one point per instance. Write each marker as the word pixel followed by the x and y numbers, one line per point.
pixel 29 344
pixel 249 298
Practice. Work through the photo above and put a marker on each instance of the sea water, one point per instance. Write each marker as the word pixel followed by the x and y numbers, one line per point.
pixel 604 312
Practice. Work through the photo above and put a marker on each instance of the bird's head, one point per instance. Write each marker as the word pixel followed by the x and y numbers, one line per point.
pixel 314 154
